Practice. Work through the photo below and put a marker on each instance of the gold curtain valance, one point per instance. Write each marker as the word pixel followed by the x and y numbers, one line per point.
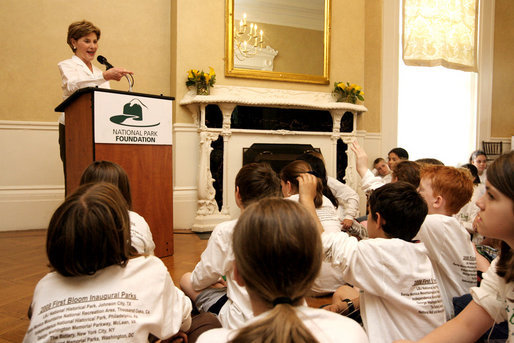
pixel 440 33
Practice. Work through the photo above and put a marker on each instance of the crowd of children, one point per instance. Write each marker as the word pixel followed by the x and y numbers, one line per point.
pixel 297 236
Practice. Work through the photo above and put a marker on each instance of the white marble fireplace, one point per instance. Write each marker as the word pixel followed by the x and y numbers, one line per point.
pixel 234 140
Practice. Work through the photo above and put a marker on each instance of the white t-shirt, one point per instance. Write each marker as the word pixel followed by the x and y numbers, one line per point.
pixel 452 254
pixel 140 234
pixel 76 75
pixel 217 260
pixel 496 297
pixel 325 326
pixel 468 212
pixel 400 297
pixel 115 304
pixel 329 278
pixel 371 182
pixel 348 199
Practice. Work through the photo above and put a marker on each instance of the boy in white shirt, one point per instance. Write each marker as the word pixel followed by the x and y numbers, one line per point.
pixel 381 168
pixel 400 296
pixel 446 190
pixel 206 285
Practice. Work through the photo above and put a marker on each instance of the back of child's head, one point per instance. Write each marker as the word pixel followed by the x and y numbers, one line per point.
pixel 111 172
pixel 318 166
pixel 500 175
pixel 293 170
pixel 429 160
pixel 453 184
pixel 89 231
pixel 256 181
pixel 475 154
pixel 400 152
pixel 401 207
pixel 474 172
pixel 407 171
pixel 277 251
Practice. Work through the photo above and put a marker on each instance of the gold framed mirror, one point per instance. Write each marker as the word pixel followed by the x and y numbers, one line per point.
pixel 281 40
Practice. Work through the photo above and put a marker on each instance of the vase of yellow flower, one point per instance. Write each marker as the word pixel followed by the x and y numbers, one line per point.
pixel 201 80
pixel 348 93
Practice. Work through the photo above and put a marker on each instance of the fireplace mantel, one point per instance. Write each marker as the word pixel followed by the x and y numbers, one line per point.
pixel 267 97
pixel 227 98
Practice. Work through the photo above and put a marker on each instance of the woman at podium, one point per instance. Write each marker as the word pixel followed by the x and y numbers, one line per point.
pixel 79 72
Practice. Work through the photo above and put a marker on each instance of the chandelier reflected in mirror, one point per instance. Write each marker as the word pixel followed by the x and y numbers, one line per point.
pixel 247 41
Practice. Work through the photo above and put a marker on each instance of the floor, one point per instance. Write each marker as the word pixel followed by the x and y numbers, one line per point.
pixel 23 262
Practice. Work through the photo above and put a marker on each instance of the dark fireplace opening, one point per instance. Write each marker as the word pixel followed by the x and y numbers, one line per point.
pixel 276 155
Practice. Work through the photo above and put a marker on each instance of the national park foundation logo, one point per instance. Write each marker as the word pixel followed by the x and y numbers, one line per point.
pixel 133 117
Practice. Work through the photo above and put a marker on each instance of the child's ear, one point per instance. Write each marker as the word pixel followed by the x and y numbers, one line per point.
pixel 380 221
pixel 439 202
pixel 238 277
pixel 239 201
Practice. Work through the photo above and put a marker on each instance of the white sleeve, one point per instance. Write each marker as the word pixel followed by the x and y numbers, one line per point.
pixel 371 182
pixel 348 199
pixel 489 295
pixel 140 234
pixel 212 262
pixel 73 79
pixel 360 263
pixel 176 307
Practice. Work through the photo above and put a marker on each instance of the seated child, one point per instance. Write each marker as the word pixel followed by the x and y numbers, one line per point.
pixel 381 168
pixel 277 257
pixel 396 155
pixel 400 297
pixel 446 190
pixel 492 301
pixel 106 171
pixel 95 284
pixel 232 304
pixel 329 279
pixel 402 170
pixel 342 196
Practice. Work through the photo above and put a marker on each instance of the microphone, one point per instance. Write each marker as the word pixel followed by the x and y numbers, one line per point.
pixel 103 61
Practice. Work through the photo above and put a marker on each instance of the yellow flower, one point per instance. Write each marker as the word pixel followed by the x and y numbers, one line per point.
pixel 362 93
pixel 358 88
pixel 207 78
pixel 190 74
pixel 211 72
pixel 340 85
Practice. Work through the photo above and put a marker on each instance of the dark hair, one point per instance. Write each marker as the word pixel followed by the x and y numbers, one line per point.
pixel 400 152
pixel 453 184
pixel 475 154
pixel 402 208
pixel 257 181
pixel 89 231
pixel 407 171
pixel 318 166
pixel 111 172
pixel 377 160
pixel 430 161
pixel 278 254
pixel 474 172
pixel 500 174
pixel 291 172
pixel 80 29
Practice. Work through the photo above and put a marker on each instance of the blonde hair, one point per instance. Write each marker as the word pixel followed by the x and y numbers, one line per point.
pixel 277 251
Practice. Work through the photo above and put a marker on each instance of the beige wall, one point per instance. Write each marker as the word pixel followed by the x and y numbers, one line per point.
pixel 299 50
pixel 135 35
pixel 201 43
pixel 502 113
pixel 372 66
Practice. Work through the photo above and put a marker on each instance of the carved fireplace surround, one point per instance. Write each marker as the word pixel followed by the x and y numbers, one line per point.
pixel 234 140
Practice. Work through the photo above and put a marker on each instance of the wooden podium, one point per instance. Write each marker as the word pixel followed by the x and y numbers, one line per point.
pixel 136 126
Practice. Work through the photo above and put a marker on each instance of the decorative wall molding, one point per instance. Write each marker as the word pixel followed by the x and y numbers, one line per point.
pixel 28 125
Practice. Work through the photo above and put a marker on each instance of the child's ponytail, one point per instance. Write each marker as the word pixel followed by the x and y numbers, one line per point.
pixel 277 253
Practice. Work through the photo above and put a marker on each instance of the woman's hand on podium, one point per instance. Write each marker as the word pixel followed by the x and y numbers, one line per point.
pixel 116 73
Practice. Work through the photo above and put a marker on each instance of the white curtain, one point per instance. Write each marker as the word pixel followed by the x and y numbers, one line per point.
pixel 440 33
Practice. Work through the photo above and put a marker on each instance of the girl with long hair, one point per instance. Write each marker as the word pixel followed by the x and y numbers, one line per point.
pixel 277 250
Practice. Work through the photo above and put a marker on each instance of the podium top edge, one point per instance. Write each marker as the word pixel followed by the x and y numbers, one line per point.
pixel 62 106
